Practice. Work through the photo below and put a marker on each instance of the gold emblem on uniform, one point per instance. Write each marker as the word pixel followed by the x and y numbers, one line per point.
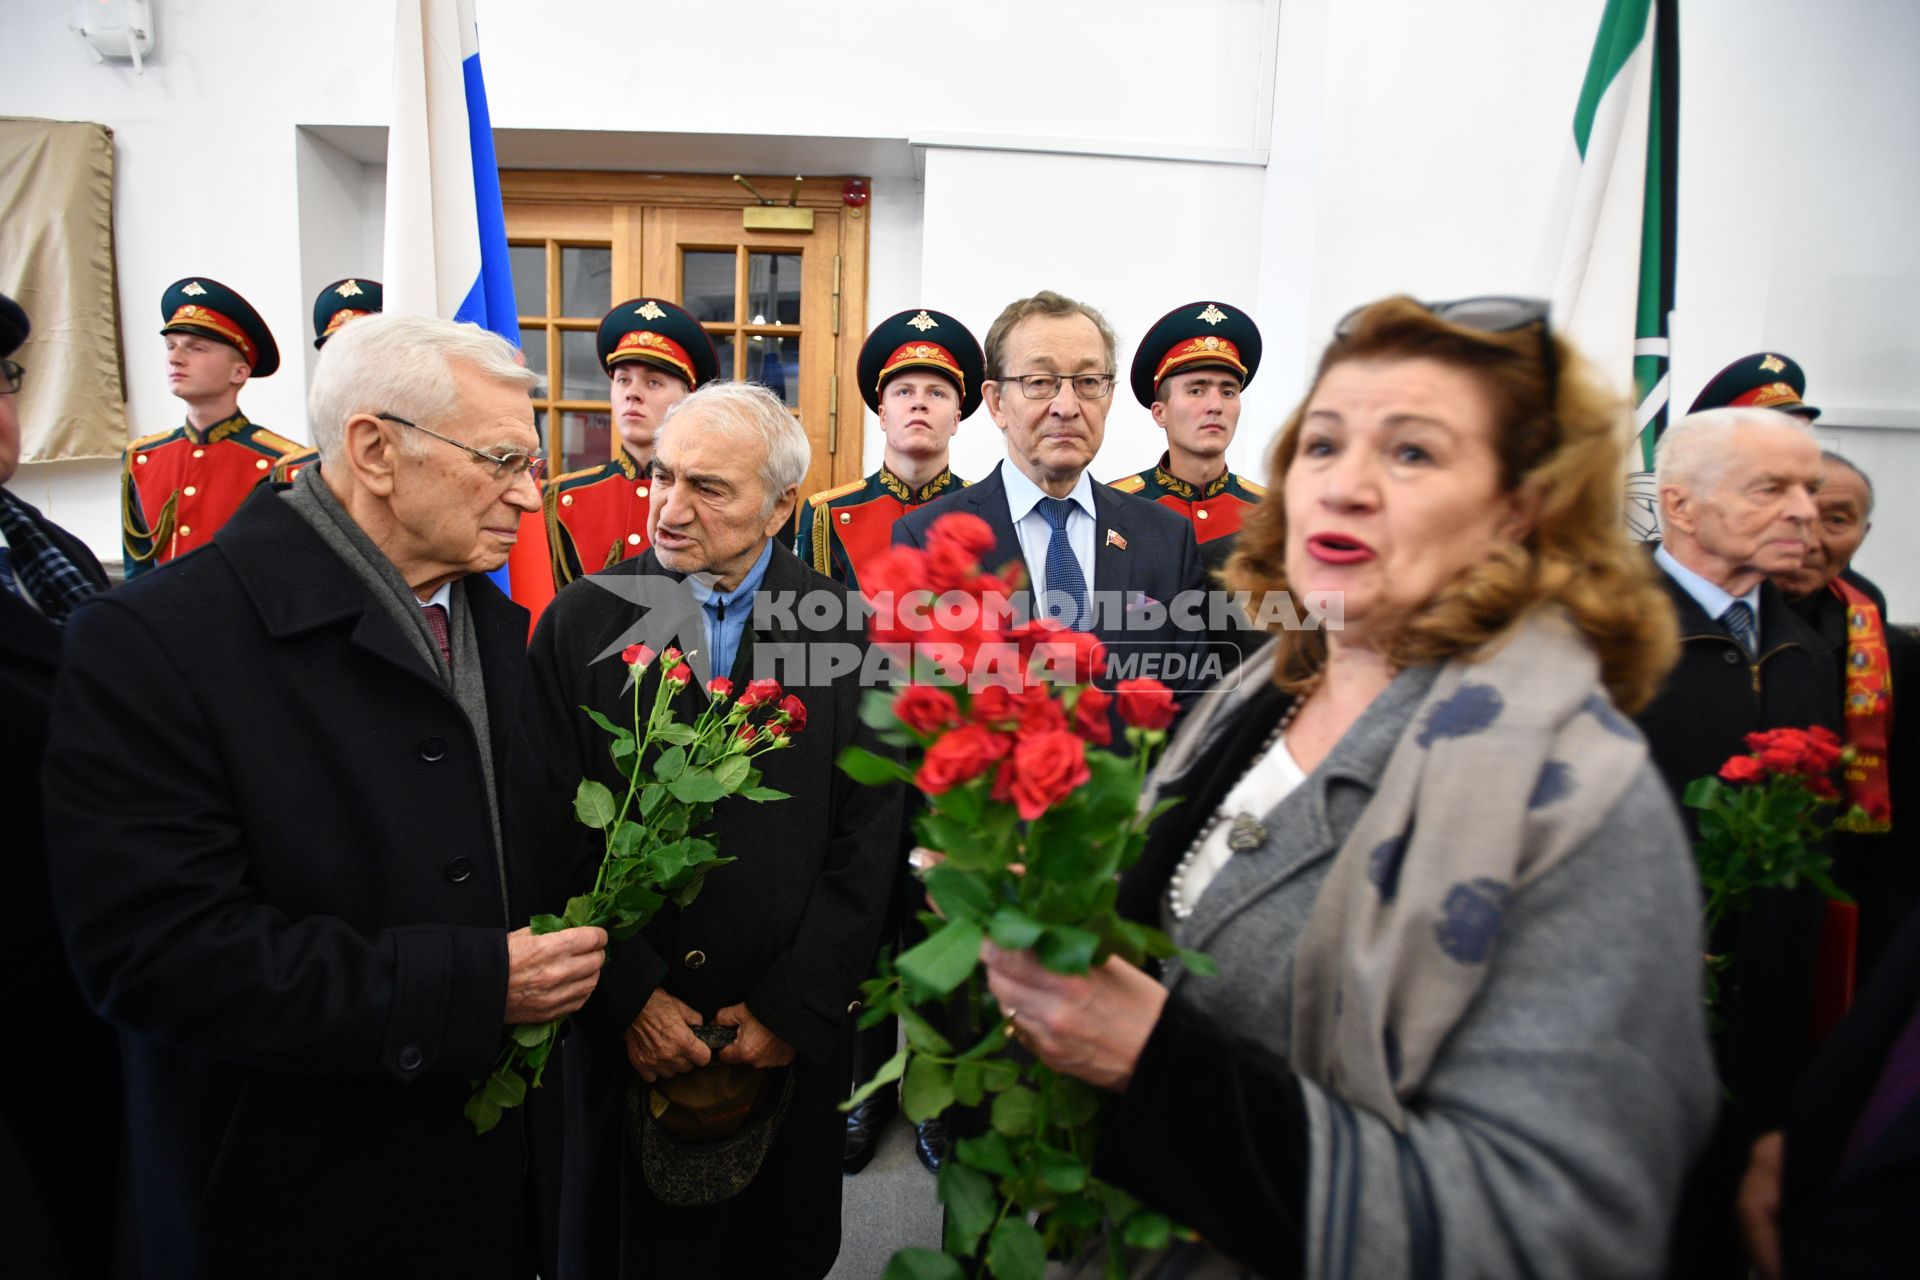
pixel 650 310
pixel 1773 364
pixel 922 352
pixel 1210 342
pixel 1213 314
pixel 923 322
pixel 194 289
pixel 350 289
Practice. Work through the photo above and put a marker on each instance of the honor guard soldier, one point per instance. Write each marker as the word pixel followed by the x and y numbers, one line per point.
pixel 178 487
pixel 1189 373
pixel 339 302
pixel 1762 380
pixel 920 371
pixel 655 353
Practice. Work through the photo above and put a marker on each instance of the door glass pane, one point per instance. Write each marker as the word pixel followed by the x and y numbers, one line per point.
pixel 723 347
pixel 586 438
pixel 706 287
pixel 540 429
pixel 582 377
pixel 586 280
pixel 774 362
pixel 529 263
pixel 533 342
pixel 773 288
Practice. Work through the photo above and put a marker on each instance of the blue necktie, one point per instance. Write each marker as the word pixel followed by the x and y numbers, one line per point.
pixel 1738 620
pixel 1066 599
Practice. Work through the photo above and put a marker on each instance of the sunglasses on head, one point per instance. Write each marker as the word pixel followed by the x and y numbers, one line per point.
pixel 1495 313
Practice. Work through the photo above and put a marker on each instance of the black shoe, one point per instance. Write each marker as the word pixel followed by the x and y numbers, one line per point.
pixel 864 1125
pixel 930 1143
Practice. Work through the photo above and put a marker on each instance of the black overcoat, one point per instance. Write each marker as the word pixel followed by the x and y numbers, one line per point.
pixel 790 930
pixel 274 867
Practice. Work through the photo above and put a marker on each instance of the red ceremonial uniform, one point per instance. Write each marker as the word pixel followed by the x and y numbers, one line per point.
pixel 177 488
pixel 597 517
pixel 288 467
pixel 1216 513
pixel 842 530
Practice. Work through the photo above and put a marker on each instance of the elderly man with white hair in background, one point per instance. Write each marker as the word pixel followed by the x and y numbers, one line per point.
pixel 685 1159
pixel 1737 503
pixel 286 796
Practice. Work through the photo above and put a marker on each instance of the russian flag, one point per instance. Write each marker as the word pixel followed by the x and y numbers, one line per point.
pixel 445 252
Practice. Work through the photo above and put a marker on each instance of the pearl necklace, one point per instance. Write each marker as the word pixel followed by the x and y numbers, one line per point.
pixel 1177 906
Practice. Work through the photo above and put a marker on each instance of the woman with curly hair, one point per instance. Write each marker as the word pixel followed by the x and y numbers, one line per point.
pixel 1457 1026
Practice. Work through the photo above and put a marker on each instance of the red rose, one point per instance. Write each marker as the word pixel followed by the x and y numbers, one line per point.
pixel 776 729
pixel 636 655
pixel 1090 716
pixel 1742 769
pixel 680 674
pixel 1046 767
pixel 765 689
pixel 949 565
pixel 1039 711
pixel 720 688
pixel 958 757
pixel 1145 704
pixel 968 532
pixel 926 709
pixel 793 714
pixel 1065 657
pixel 994 705
pixel 1823 788
pixel 895 584
pixel 1824 748
pixel 747 732
pixel 671 656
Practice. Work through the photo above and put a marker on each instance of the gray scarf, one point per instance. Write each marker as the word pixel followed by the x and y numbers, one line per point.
pixel 1509 764
pixel 317 505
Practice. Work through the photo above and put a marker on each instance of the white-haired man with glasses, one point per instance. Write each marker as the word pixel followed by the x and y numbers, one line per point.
pixel 1096 559
pixel 287 791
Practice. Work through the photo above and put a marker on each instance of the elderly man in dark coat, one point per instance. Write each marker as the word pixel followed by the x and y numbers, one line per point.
pixel 285 798
pixel 777 943
pixel 1737 503
pixel 59 1130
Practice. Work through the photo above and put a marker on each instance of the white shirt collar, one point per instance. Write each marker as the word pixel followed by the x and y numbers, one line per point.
pixel 443 597
pixel 1023 495
pixel 1710 596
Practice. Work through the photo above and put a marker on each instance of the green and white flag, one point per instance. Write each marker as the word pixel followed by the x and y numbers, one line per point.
pixel 1612 234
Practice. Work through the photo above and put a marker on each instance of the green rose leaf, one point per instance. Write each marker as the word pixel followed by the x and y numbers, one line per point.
pixel 876 710
pixel 732 771
pixel 889 1072
pixel 922 1035
pixel 960 896
pixel 969 1083
pixel 482 1112
pixel 927 1090
pixel 505 1088
pixel 1066 948
pixel 529 1034
pixel 871 770
pixel 593 804
pixel 760 795
pixel 1013 929
pixel 1071 1102
pixel 971 1205
pixel 1014 1110
pixel 671 764
pixel 1146 1230
pixel 1015 1252
pixel 990 1151
pixel 680 735
pixel 697 786
pixel 922 1264
pixel 626 839
pixel 943 961
pixel 545 924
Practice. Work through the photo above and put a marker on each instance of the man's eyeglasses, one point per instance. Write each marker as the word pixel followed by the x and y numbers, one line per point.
pixel 1495 313
pixel 1045 386
pixel 10 375
pixel 510 465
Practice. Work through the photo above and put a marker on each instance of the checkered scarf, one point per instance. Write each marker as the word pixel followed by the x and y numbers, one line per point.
pixel 55 582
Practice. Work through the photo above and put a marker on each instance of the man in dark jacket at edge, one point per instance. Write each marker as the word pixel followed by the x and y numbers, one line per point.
pixel 286 802
pixel 777 943
pixel 1737 493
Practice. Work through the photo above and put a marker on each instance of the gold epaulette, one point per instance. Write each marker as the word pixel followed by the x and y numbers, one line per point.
pixel 274 440
pixel 147 442
pixel 574 477
pixel 1128 484
pixel 556 551
pixel 1257 490
pixel 828 495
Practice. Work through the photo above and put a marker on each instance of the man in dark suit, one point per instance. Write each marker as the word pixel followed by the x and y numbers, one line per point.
pixel 1737 492
pixel 286 802
pixel 59 1130
pixel 1096 559
pixel 776 945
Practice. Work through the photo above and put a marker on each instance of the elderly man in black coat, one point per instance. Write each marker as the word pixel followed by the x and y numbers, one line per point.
pixel 776 945
pixel 59 1131
pixel 1737 503
pixel 286 809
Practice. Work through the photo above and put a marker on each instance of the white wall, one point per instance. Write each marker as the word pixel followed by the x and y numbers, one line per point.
pixel 1130 152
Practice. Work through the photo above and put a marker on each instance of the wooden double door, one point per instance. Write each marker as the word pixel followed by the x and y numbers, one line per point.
pixel 784 307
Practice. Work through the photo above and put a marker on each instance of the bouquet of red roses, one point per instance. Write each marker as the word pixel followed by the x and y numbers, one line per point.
pixel 1003 731
pixel 675 774
pixel 1762 825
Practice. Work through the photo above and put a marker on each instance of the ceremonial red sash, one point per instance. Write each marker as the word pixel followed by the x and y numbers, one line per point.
pixel 1868 713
